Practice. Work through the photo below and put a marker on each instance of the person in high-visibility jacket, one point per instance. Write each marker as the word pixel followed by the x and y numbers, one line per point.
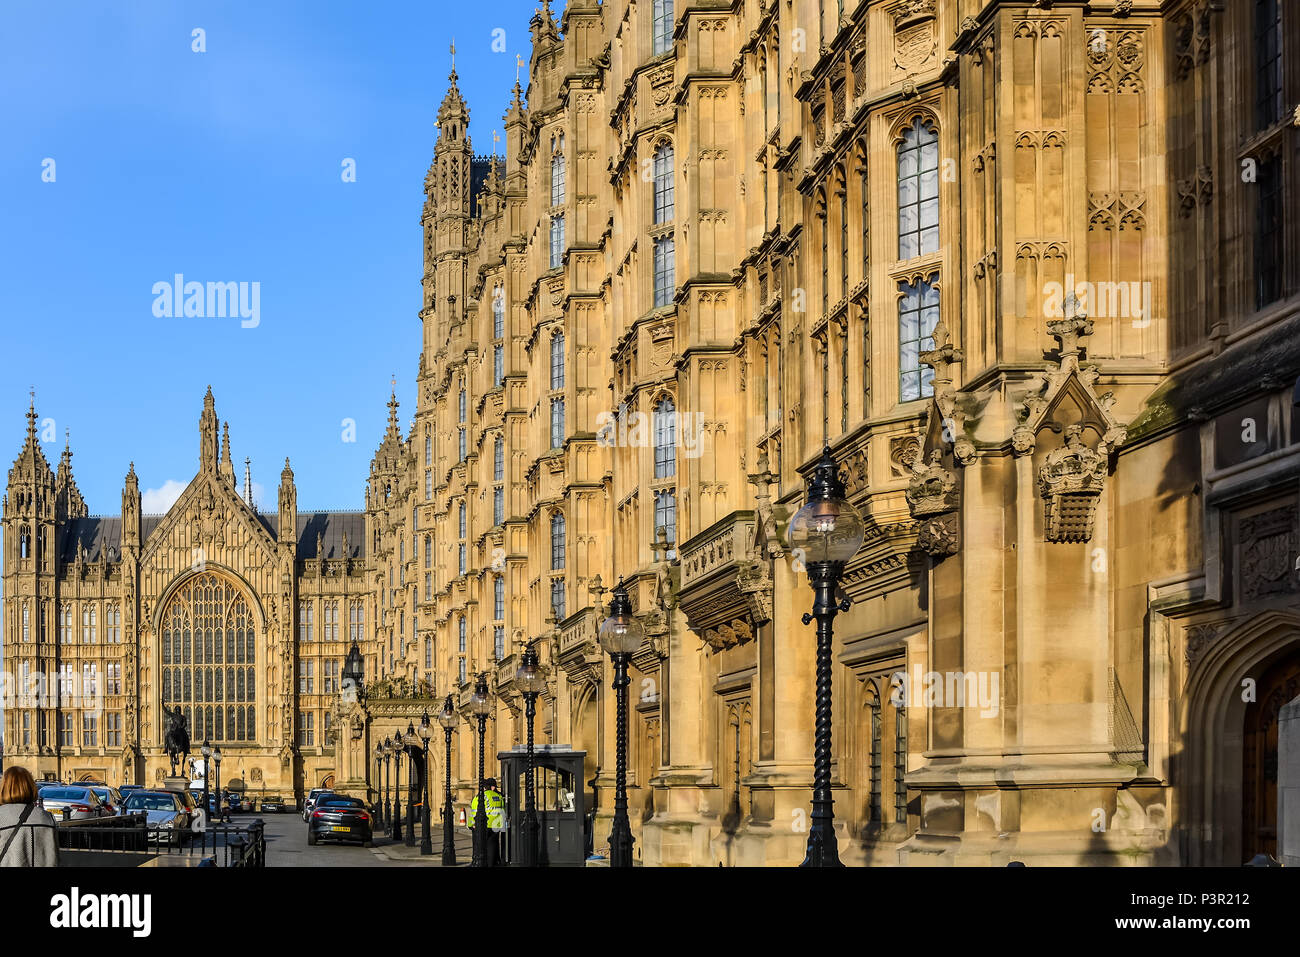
pixel 494 808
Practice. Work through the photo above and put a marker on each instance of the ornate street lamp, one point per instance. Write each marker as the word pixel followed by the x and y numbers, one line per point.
pixel 207 757
pixel 388 804
pixel 447 718
pixel 379 784
pixel 426 840
pixel 530 679
pixel 216 773
pixel 825 534
pixel 480 706
pixel 354 669
pixel 398 748
pixel 620 636
pixel 410 742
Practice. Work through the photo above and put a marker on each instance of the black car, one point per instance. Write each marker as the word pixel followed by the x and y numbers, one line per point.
pixel 235 802
pixel 273 804
pixel 339 818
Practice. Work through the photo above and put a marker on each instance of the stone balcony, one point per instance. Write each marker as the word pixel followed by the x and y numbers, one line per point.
pixel 726 590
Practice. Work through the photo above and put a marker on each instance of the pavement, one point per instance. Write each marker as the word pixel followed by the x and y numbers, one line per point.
pixel 286 846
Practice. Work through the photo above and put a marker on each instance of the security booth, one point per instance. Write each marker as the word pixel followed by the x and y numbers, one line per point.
pixel 559 799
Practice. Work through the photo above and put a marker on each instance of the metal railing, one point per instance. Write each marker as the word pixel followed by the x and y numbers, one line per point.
pixel 224 845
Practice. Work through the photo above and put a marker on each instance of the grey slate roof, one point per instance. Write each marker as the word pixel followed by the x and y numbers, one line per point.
pixel 101 534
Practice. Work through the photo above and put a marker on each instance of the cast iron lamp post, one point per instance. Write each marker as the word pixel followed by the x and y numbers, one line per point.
pixel 388 805
pixel 410 742
pixel 379 783
pixel 216 773
pixel 447 718
pixel 825 534
pixel 480 706
pixel 530 679
pixel 207 758
pixel 620 635
pixel 398 748
pixel 426 840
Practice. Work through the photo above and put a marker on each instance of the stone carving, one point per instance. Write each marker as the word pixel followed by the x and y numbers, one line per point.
pixel 1071 481
pixel 1269 544
pixel 938 536
pixel 903 452
pixel 932 489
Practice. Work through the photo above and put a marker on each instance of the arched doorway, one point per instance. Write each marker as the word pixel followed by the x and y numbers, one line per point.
pixel 1278 685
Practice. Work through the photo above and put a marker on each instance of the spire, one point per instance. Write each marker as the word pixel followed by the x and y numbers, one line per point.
pixel 227 463
pixel 67 497
pixel 131 509
pixel 393 428
pixel 288 506
pixel 208 434
pixel 453 117
pixel 31 417
pixel 248 483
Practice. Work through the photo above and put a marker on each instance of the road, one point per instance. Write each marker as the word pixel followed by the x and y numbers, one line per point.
pixel 286 846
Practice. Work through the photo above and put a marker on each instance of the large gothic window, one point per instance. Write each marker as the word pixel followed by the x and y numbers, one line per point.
pixel 208 657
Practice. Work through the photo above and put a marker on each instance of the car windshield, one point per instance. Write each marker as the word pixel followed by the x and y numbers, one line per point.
pixel 273 798
pixel 340 802
pixel 151 802
pixel 64 794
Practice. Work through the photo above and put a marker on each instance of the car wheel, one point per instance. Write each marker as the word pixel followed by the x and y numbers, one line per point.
pixel 311 837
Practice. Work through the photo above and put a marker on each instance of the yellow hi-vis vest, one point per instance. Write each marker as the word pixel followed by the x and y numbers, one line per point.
pixel 494 809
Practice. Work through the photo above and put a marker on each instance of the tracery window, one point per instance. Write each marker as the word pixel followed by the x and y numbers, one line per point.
pixel 918 191
pixel 208 657
pixel 662 26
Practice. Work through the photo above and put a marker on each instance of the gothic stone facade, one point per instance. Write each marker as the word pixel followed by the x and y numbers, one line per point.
pixel 1027 268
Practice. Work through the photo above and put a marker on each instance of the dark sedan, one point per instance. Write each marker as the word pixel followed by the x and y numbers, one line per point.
pixel 339 818
pixel 274 804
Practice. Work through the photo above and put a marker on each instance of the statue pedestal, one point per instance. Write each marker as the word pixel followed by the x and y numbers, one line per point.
pixel 176 783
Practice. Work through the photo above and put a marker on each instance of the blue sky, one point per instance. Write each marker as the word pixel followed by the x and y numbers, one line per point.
pixel 224 166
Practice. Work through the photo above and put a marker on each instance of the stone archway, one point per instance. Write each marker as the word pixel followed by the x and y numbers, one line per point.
pixel 1215 736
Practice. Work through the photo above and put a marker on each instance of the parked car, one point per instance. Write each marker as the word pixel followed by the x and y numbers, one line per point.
pixel 165 814
pixel 312 798
pixel 273 804
pixel 79 800
pixel 339 818
pixel 111 797
pixel 236 802
pixel 189 801
pixel 126 789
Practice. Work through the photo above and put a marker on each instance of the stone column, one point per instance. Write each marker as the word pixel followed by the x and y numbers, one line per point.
pixel 1288 784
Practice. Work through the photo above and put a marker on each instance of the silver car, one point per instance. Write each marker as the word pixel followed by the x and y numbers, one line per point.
pixel 78 800
pixel 165 814
pixel 109 796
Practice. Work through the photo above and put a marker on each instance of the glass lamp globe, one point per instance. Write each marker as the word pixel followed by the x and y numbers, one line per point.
pixel 621 633
pixel 531 677
pixel 480 704
pixel 828 528
pixel 447 716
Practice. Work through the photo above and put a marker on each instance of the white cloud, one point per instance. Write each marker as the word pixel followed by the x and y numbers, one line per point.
pixel 156 501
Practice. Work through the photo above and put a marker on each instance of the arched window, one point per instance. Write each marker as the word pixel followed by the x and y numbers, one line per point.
pixel 557 240
pixel 557 541
pixel 498 334
pixel 665 426
pixel 900 765
pixel 462 405
pixel 661 28
pixel 918 312
pixel 557 172
pixel 196 625
pixel 461 513
pixel 428 450
pixel 918 191
pixel 24 542
pixel 557 361
pixel 499 459
pixel 663 175
pixel 557 383
pixel 498 598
